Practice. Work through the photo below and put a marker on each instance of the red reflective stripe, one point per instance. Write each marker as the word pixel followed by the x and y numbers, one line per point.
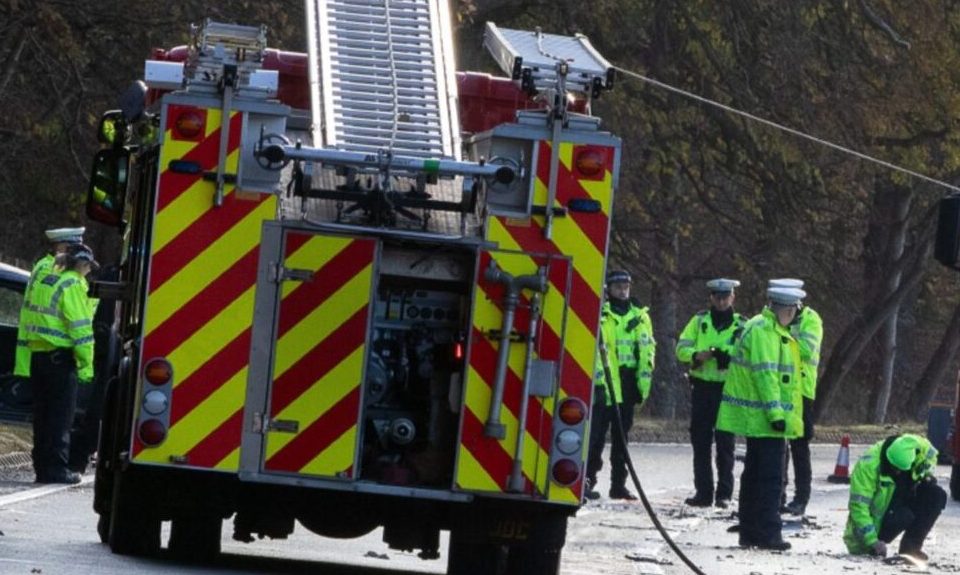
pixel 583 300
pixel 317 362
pixel 491 455
pixel 220 443
pixel 203 232
pixel 203 307
pixel 327 280
pixel 483 359
pixel 594 225
pixel 206 154
pixel 212 375
pixel 318 435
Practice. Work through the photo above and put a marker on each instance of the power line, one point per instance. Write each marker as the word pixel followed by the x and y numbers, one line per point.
pixel 787 129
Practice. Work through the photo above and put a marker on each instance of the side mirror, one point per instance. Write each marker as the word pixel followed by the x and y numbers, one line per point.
pixel 112 128
pixel 108 186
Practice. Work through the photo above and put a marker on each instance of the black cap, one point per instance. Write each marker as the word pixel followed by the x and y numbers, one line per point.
pixel 618 276
pixel 82 252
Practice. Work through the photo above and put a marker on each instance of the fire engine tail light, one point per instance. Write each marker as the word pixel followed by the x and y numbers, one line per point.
pixel 189 124
pixel 155 402
pixel 590 162
pixel 566 472
pixel 158 371
pixel 572 411
pixel 152 432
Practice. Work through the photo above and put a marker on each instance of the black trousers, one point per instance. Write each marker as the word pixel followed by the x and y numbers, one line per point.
pixel 760 487
pixel 800 452
pixel 913 514
pixel 705 404
pixel 602 420
pixel 53 376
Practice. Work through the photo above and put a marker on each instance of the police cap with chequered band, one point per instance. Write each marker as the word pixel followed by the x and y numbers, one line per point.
pixel 66 235
pixel 785 296
pixel 618 276
pixel 722 285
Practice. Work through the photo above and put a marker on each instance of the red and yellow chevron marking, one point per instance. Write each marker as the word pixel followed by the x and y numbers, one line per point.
pixel 199 307
pixel 582 237
pixel 321 342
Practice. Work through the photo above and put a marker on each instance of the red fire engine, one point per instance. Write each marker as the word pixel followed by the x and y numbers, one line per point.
pixel 357 290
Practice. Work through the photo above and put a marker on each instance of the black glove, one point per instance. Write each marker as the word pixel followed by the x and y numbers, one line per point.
pixel 779 425
pixel 723 358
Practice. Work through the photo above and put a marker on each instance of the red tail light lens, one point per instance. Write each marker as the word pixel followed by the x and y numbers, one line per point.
pixel 158 371
pixel 572 411
pixel 152 432
pixel 590 162
pixel 566 472
pixel 189 124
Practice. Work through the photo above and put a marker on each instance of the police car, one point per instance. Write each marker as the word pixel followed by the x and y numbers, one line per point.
pixel 14 395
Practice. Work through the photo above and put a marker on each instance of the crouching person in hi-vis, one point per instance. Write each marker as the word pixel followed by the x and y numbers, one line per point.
pixel 893 491
pixel 762 401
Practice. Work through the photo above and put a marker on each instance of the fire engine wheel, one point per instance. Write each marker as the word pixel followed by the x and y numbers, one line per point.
pixel 475 558
pixel 195 538
pixel 955 482
pixel 134 529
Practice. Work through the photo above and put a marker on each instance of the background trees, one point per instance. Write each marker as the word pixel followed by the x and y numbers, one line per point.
pixel 703 192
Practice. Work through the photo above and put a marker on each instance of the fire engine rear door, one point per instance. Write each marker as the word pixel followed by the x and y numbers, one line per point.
pixel 320 323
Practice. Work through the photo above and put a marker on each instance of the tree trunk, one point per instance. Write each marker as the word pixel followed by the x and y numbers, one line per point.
pixel 938 369
pixel 670 390
pixel 860 331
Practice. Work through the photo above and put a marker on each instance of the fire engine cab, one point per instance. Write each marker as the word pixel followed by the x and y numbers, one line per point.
pixel 357 289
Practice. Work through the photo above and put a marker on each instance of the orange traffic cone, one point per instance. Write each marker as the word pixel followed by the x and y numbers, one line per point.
pixel 841 472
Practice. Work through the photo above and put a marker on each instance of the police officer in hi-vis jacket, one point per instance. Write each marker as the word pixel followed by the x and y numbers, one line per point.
pixel 705 347
pixel 628 337
pixel 762 401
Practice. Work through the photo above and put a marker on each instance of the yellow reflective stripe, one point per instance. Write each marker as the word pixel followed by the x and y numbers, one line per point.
pixel 207 266
pixel 210 339
pixel 337 457
pixel 314 254
pixel 322 321
pixel 318 399
pixel 470 468
pixel 600 191
pixel 570 239
pixel 203 420
pixel 230 462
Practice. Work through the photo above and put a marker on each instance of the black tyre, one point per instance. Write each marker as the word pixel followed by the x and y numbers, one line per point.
pixel 531 560
pixel 955 482
pixel 134 524
pixel 195 538
pixel 469 557
pixel 103 527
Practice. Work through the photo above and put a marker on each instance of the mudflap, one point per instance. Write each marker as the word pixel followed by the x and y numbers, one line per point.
pixel 503 539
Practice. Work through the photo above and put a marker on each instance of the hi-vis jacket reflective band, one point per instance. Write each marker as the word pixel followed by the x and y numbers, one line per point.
pixel 22 361
pixel 763 383
pixel 701 335
pixel 871 493
pixel 61 317
pixel 203 271
pixel 567 330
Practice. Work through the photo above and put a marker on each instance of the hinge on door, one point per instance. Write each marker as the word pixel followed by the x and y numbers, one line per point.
pixel 279 274
pixel 262 424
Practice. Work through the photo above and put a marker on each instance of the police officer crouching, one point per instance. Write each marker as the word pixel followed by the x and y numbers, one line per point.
pixel 628 337
pixel 762 401
pixel 59 333
pixel 706 345
pixel 893 491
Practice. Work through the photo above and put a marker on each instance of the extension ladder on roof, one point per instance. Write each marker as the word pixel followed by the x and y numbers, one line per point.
pixel 531 58
pixel 382 77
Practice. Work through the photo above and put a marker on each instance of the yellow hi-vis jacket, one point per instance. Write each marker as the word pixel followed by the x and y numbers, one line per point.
pixel 61 317
pixel 701 335
pixel 808 332
pixel 633 345
pixel 40 269
pixel 763 382
pixel 871 492
pixel 608 330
